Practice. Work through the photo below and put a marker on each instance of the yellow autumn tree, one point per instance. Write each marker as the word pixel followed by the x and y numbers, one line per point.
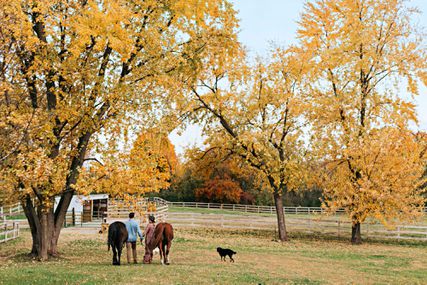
pixel 147 167
pixel 76 74
pixel 361 54
pixel 256 113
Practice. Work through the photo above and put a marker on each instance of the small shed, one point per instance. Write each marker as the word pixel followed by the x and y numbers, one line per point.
pixel 91 207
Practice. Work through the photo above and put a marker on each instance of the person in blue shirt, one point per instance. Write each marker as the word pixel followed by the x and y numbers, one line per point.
pixel 133 230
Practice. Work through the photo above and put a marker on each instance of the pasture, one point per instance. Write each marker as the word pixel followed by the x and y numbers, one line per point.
pixel 194 260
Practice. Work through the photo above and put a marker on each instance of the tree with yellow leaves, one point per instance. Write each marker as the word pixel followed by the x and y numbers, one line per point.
pixel 256 113
pixel 76 74
pixel 147 167
pixel 360 54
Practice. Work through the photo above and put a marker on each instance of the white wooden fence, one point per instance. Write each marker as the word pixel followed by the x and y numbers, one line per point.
pixel 250 208
pixel 254 208
pixel 334 226
pixel 120 211
pixel 11 210
pixel 8 231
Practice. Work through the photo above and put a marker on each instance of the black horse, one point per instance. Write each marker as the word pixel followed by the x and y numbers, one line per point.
pixel 117 237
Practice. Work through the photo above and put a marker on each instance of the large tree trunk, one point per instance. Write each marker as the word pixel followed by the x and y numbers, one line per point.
pixel 58 220
pixel 283 236
pixel 355 233
pixel 44 238
pixel 34 223
pixel 42 227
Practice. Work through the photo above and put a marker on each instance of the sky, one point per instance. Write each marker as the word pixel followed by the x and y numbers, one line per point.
pixel 263 22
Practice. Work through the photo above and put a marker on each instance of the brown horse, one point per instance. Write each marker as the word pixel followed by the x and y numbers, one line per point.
pixel 163 236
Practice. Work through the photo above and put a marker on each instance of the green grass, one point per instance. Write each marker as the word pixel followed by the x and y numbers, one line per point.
pixel 16 217
pixel 260 260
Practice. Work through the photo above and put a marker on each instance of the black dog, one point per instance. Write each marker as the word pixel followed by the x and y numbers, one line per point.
pixel 223 252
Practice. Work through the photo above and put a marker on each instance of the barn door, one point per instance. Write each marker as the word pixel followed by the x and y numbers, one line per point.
pixel 87 211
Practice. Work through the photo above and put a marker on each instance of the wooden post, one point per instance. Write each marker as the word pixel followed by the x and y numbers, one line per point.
pixel 73 217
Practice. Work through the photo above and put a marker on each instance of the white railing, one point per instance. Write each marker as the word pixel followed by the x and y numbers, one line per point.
pixel 11 210
pixel 120 211
pixel 8 231
pixel 250 208
pixel 330 226
pixel 255 208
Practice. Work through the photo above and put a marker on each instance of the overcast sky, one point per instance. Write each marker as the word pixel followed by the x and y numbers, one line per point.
pixel 265 21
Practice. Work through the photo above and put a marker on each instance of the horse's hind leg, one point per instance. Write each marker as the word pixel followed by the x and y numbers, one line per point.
pixel 161 252
pixel 120 249
pixel 115 255
pixel 168 246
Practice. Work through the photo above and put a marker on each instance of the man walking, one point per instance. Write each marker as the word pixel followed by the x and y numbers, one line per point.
pixel 133 229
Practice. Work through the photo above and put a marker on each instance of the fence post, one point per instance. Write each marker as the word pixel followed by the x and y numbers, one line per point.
pixel 246 208
pixel 73 217
pixel 339 228
pixel 209 205
pixel 398 232
pixel 233 206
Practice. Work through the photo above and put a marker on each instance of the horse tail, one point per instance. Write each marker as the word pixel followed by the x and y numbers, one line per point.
pixel 169 231
pixel 110 241
pixel 158 236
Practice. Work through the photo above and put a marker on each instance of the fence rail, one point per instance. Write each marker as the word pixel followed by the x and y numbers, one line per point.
pixel 8 231
pixel 11 210
pixel 120 211
pixel 255 208
pixel 329 226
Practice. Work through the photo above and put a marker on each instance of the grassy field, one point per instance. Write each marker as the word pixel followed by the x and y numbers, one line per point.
pixel 260 260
